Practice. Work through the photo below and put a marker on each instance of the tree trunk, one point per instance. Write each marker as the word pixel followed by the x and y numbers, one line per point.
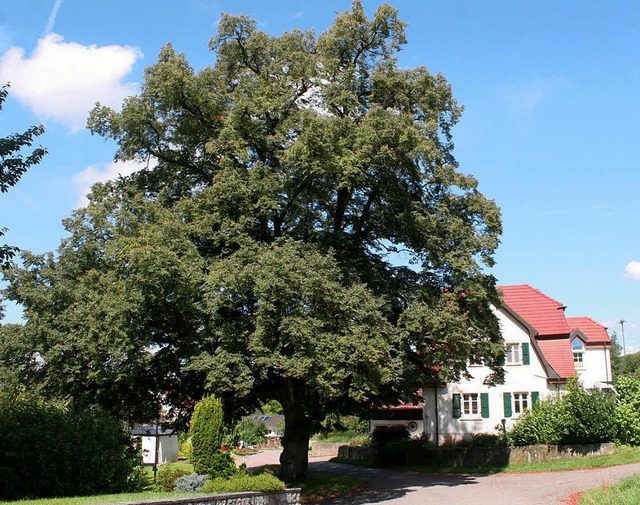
pixel 294 459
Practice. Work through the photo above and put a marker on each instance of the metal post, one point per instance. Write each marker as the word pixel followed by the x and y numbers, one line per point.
pixel 624 345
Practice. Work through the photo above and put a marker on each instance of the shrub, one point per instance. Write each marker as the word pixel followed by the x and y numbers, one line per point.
pixel 576 417
pixel 264 483
pixel 383 435
pixel 167 476
pixel 192 483
pixel 250 431
pixel 628 389
pixel 207 431
pixel 48 450
pixel 486 440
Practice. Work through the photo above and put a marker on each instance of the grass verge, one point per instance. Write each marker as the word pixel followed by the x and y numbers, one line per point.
pixel 105 498
pixel 626 492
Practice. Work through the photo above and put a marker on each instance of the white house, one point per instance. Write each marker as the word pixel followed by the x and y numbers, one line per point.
pixel 543 349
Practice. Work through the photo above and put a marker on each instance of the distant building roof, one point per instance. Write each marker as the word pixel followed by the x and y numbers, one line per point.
pixel 149 430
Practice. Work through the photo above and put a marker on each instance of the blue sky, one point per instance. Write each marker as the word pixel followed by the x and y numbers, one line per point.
pixel 552 97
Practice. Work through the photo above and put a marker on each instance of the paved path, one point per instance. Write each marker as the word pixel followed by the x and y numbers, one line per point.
pixel 404 488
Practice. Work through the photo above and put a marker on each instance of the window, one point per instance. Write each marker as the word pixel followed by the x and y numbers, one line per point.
pixel 513 354
pixel 517 354
pixel 516 403
pixel 470 405
pixel 520 402
pixel 578 353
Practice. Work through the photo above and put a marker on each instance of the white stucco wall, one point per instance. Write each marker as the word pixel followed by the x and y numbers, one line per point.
pixel 519 378
pixel 597 366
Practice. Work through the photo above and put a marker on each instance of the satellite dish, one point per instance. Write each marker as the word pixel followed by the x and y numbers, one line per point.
pixel 412 426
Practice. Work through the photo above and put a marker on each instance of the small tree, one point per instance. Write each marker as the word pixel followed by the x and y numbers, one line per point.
pixel 207 431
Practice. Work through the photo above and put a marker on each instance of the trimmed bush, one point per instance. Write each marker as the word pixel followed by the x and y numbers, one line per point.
pixel 207 433
pixel 192 483
pixel 47 450
pixel 167 476
pixel 264 483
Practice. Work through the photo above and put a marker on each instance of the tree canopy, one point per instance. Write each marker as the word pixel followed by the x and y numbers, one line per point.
pixel 301 233
pixel 14 163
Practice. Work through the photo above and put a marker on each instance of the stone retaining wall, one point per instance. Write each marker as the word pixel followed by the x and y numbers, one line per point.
pixel 476 456
pixel 286 497
pixel 324 448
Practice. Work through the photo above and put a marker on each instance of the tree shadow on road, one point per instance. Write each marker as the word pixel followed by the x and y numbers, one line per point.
pixel 384 485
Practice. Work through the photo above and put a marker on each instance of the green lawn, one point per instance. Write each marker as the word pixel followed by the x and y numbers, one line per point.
pixel 626 492
pixel 318 485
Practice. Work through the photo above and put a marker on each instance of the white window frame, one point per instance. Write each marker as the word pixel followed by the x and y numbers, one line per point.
pixel 578 353
pixel 469 403
pixel 520 401
pixel 511 357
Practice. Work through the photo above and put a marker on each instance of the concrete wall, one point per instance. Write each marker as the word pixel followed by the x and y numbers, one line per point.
pixel 475 456
pixel 286 497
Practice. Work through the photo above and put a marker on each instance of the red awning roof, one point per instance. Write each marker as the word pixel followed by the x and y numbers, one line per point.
pixel 558 354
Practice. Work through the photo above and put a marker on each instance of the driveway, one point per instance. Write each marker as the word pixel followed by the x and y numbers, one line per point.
pixel 404 488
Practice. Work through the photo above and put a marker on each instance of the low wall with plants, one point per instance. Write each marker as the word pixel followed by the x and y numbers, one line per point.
pixel 286 497
pixel 324 448
pixel 470 456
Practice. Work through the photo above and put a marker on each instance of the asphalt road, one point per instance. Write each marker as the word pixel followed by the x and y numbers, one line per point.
pixel 403 488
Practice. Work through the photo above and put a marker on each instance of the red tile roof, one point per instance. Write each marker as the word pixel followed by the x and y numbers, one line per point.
pixel 558 353
pixel 546 316
pixel 542 312
pixel 595 332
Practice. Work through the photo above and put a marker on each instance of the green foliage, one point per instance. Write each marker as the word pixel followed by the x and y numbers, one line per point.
pixel 487 440
pixel 13 164
pixel 167 476
pixel 574 417
pixel 288 175
pixel 250 431
pixel 48 450
pixel 207 432
pixel 271 407
pixel 264 482
pixel 628 418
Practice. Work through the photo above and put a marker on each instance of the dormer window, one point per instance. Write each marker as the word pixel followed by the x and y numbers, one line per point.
pixel 577 346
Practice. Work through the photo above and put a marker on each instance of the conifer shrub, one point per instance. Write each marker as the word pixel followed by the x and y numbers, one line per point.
pixel 192 483
pixel 207 433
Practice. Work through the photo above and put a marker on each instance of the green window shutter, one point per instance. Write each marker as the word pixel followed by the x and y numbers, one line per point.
pixel 506 397
pixel 457 408
pixel 484 404
pixel 525 354
pixel 535 396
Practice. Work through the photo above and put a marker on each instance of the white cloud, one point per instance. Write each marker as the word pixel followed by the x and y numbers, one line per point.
pixel 632 271
pixel 525 97
pixel 101 173
pixel 62 81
